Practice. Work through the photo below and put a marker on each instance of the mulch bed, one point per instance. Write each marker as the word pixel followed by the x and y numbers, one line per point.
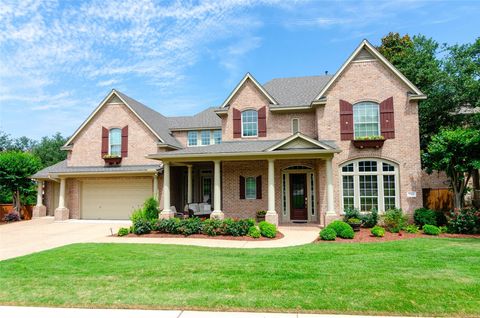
pixel 364 236
pixel 203 236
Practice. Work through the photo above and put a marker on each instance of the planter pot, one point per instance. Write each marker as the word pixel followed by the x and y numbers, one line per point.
pixel 355 226
pixel 368 143
pixel 112 161
pixel 260 218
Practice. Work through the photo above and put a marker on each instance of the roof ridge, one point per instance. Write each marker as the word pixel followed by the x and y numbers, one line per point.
pixel 297 77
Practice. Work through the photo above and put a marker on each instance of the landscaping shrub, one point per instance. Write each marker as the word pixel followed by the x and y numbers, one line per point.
pixel 170 226
pixel 347 233
pixel 212 227
pixel 254 232
pixel 394 220
pixel 464 221
pixel 237 227
pixel 123 231
pixel 137 215
pixel 378 231
pixel 443 229
pixel 431 229
pixel 142 226
pixel 424 216
pixel 411 228
pixel 328 234
pixel 370 219
pixel 189 226
pixel 351 213
pixel 11 217
pixel 267 229
pixel 150 209
pixel 338 226
pixel 441 218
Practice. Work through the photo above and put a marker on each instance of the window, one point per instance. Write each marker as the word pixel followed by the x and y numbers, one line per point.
pixel 192 138
pixel 368 184
pixel 205 137
pixel 295 125
pixel 115 140
pixel 217 136
pixel 250 188
pixel 366 119
pixel 249 123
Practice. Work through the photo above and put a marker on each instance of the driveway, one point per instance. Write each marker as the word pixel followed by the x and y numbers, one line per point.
pixel 22 238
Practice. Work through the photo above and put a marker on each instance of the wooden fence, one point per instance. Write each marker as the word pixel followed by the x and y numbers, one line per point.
pixel 7 208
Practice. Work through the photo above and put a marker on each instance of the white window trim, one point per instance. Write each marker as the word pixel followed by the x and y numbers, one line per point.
pixel 309 172
pixel 109 141
pixel 209 137
pixel 241 122
pixel 379 133
pixel 298 121
pixel 254 197
pixel 379 173
pixel 188 139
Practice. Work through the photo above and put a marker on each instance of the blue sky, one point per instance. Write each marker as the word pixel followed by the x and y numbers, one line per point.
pixel 58 59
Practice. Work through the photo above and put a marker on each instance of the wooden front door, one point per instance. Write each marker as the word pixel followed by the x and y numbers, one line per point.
pixel 298 197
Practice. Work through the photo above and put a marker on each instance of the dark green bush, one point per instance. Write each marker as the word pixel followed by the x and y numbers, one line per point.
pixel 339 226
pixel 347 233
pixel 431 229
pixel 464 221
pixel 370 219
pixel 170 226
pixel 123 231
pixel 150 208
pixel 267 229
pixel 190 226
pixel 328 234
pixel 237 227
pixel 212 227
pixel 142 226
pixel 411 228
pixel 378 231
pixel 351 213
pixel 441 218
pixel 254 232
pixel 443 229
pixel 424 216
pixel 394 220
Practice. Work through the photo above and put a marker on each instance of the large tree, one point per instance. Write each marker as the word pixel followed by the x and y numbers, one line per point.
pixel 457 153
pixel 48 150
pixel 16 167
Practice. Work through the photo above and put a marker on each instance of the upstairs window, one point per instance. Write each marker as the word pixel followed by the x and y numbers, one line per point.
pixel 249 123
pixel 295 125
pixel 366 119
pixel 205 137
pixel 115 142
pixel 192 138
pixel 217 136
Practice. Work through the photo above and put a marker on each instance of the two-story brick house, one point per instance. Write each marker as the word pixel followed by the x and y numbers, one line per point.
pixel 302 148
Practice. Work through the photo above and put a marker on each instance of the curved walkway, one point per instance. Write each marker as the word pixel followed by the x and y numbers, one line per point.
pixel 22 238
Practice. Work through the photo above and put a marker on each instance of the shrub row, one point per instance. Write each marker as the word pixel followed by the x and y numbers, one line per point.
pixel 337 229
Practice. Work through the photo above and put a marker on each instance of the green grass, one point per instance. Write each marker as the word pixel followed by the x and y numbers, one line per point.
pixel 412 277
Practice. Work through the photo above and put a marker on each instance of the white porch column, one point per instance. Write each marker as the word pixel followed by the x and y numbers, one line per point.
pixel 39 210
pixel 62 213
pixel 217 194
pixel 189 185
pixel 330 207
pixel 155 186
pixel 166 212
pixel 271 216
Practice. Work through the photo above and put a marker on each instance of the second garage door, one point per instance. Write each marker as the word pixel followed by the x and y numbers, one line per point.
pixel 113 199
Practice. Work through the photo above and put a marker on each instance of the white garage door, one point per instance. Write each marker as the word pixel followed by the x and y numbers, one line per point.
pixel 113 199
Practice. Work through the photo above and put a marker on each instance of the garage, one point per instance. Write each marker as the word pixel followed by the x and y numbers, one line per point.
pixel 113 198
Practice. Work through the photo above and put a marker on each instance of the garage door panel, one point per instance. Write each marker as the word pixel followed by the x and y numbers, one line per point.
pixel 113 199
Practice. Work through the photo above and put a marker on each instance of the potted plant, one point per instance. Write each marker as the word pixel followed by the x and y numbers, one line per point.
pixel 369 142
pixel 112 160
pixel 261 215
pixel 355 223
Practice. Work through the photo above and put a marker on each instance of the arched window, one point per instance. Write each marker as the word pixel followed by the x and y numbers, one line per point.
pixel 115 142
pixel 249 123
pixel 368 184
pixel 366 119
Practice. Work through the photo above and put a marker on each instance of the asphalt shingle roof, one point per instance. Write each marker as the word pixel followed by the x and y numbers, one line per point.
pixel 204 119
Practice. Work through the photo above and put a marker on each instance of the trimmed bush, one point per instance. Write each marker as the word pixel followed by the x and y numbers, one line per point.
pixel 237 227
pixel 123 231
pixel 170 226
pixel 464 221
pixel 424 216
pixel 351 213
pixel 328 234
pixel 394 220
pixel 150 208
pixel 338 226
pixel 254 232
pixel 370 219
pixel 212 227
pixel 347 233
pixel 267 229
pixel 443 229
pixel 190 226
pixel 142 226
pixel 431 229
pixel 378 231
pixel 411 228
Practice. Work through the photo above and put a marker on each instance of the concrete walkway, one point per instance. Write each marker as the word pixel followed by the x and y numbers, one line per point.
pixel 22 238
pixel 40 312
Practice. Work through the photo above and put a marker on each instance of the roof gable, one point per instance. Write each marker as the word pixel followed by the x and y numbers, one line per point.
pixel 366 51
pixel 299 141
pixel 248 76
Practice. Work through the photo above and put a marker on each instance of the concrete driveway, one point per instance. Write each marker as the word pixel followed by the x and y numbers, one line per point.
pixel 22 238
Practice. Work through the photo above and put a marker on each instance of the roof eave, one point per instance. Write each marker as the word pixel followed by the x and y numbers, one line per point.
pixel 290 108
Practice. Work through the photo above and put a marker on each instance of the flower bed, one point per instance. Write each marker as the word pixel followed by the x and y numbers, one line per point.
pixel 155 234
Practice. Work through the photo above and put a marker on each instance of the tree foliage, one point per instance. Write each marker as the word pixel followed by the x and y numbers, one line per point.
pixel 457 153
pixel 48 150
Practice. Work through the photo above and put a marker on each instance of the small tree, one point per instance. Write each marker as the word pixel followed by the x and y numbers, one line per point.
pixel 457 153
pixel 15 170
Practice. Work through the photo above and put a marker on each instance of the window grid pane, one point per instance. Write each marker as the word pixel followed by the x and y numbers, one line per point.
pixel 348 192
pixel 366 119
pixel 192 138
pixel 312 193
pixel 205 137
pixel 217 136
pixel 115 142
pixel 250 188
pixel 389 192
pixel 367 166
pixel 249 123
pixel 368 192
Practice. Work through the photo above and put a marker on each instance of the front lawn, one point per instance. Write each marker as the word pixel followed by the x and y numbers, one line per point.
pixel 411 277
